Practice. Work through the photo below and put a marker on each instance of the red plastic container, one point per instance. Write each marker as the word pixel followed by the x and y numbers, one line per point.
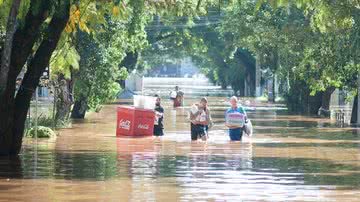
pixel 133 121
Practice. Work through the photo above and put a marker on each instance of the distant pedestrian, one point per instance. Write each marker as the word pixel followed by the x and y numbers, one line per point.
pixel 177 97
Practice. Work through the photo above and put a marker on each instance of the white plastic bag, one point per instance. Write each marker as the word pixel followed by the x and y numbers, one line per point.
pixel 194 108
pixel 157 117
pixel 201 116
pixel 144 102
pixel 248 129
pixel 173 94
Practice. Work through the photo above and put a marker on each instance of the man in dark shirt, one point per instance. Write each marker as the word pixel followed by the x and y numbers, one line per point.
pixel 159 116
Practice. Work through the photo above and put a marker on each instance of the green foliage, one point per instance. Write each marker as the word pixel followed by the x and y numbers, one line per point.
pixel 47 121
pixel 313 41
pixel 199 38
pixel 5 6
pixel 325 63
pixel 43 120
pixel 42 132
pixel 64 59
pixel 98 73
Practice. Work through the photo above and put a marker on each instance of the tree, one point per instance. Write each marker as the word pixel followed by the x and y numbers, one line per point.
pixel 261 33
pixel 200 39
pixel 6 52
pixel 43 22
pixel 293 44
pixel 14 110
pixel 64 62
pixel 327 18
pixel 96 80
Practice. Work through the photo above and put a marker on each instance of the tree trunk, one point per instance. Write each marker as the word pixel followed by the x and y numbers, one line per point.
pixel 63 100
pixel 35 69
pixel 122 84
pixel 272 97
pixel 275 58
pixel 79 109
pixel 6 54
pixel 324 110
pixel 23 41
pixel 313 103
pixel 299 98
pixel 358 103
pixel 129 62
pixel 354 110
pixel 11 167
pixel 249 62
pixel 258 75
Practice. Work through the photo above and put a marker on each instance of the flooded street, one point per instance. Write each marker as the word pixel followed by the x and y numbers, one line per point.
pixel 289 158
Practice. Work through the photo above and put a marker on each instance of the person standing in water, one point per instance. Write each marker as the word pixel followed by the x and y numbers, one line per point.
pixel 159 117
pixel 200 118
pixel 235 119
pixel 177 97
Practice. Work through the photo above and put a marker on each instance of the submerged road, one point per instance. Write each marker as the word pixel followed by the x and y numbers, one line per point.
pixel 289 158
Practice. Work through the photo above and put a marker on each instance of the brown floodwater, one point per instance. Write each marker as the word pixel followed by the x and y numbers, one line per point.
pixel 289 158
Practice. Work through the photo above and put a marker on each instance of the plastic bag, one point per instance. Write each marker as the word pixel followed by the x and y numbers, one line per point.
pixel 248 129
pixel 173 94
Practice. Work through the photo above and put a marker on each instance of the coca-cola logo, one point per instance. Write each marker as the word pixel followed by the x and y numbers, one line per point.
pixel 143 126
pixel 124 124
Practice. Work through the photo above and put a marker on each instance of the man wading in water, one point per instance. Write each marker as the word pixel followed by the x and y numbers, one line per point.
pixel 159 116
pixel 200 119
pixel 235 119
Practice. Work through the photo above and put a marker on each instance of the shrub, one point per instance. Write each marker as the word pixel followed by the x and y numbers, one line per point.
pixel 42 132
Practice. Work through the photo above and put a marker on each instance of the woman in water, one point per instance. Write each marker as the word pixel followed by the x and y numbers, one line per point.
pixel 235 119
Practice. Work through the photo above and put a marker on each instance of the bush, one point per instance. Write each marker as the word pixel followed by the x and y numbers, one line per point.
pixel 44 120
pixel 48 121
pixel 42 132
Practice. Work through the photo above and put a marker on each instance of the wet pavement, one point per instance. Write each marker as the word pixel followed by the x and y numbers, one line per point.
pixel 289 158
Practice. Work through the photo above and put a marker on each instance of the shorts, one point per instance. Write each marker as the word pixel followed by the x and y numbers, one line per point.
pixel 197 131
pixel 158 131
pixel 236 134
pixel 177 103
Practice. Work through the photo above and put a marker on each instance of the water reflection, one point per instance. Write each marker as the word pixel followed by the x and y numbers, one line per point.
pixel 194 174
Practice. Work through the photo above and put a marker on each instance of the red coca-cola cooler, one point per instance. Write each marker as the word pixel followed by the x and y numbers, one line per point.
pixel 132 121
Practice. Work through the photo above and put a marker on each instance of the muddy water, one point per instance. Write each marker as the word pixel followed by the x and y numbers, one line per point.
pixel 290 158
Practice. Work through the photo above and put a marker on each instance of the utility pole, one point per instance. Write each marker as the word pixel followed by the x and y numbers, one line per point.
pixel 358 103
pixel 257 75
pixel 36 114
